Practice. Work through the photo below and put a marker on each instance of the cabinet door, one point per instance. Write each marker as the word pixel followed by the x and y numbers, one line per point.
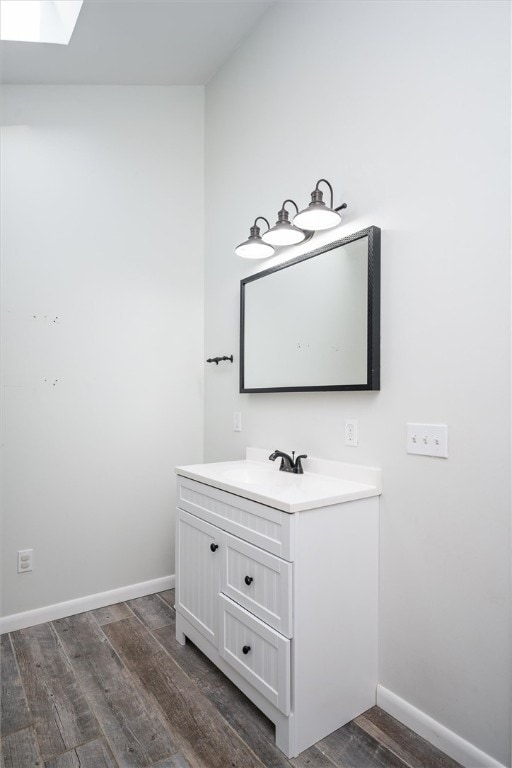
pixel 198 553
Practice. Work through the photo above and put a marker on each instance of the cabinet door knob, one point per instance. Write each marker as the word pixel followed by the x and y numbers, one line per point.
pixel 214 547
pixel 246 649
pixel 248 580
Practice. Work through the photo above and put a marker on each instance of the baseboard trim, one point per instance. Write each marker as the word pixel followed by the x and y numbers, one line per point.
pixel 80 604
pixel 438 735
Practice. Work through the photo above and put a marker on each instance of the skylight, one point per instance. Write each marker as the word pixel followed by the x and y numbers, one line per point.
pixel 39 21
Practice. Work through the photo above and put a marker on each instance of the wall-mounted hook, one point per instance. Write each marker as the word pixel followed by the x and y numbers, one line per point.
pixel 217 360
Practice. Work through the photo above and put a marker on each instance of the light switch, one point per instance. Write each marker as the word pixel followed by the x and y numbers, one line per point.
pixel 428 439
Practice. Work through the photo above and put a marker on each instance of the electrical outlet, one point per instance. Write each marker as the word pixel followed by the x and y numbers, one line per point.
pixel 25 560
pixel 428 439
pixel 351 432
pixel 237 421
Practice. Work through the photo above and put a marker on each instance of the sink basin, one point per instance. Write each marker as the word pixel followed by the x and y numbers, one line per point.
pixel 251 473
pixel 324 482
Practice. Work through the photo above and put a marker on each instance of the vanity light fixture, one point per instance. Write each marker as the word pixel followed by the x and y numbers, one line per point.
pixel 317 215
pixel 284 232
pixel 254 247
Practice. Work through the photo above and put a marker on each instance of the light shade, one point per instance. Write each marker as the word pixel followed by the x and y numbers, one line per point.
pixel 284 232
pixel 254 247
pixel 318 215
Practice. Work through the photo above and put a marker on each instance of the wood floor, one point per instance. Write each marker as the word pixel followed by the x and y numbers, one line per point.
pixel 113 689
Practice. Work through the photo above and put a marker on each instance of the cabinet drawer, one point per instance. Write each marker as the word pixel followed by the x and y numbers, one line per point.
pixel 263 526
pixel 258 581
pixel 255 651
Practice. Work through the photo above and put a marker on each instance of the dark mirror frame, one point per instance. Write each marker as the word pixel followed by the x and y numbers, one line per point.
pixel 373 338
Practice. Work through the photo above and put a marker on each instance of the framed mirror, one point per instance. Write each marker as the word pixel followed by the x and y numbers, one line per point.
pixel 313 323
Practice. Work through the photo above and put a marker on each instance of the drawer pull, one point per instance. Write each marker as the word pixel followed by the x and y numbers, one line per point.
pixel 246 649
pixel 214 547
pixel 248 580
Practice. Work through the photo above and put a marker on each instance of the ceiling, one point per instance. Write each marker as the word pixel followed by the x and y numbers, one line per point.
pixel 137 42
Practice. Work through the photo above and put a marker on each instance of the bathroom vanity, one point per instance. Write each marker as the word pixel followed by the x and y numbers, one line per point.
pixel 276 582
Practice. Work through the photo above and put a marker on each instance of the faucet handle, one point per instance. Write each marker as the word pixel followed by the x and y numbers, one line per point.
pixel 298 464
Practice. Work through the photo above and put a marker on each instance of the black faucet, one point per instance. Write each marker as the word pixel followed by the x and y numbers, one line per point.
pixel 289 463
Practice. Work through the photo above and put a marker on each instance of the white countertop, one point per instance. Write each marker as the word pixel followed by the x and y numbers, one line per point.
pixel 324 482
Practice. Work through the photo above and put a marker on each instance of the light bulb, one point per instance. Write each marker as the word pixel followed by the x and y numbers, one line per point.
pixel 284 234
pixel 253 249
pixel 317 216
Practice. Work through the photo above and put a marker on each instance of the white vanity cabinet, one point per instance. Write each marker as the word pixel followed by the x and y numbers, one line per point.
pixel 284 603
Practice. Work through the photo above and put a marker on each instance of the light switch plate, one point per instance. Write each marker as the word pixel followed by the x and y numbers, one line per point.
pixel 428 439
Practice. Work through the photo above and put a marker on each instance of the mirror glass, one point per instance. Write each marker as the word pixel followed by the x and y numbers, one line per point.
pixel 313 323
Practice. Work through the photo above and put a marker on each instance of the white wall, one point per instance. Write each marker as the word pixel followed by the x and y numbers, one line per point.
pixel 405 108
pixel 102 248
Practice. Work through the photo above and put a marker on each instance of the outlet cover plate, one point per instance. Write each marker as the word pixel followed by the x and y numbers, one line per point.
pixel 351 432
pixel 428 439
pixel 25 560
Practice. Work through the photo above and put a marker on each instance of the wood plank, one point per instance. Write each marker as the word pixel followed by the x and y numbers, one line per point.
pixel 402 742
pixel 111 613
pixel 152 611
pixel 206 739
pixel 94 754
pixel 21 750
pixel 169 595
pixel 189 658
pixel 252 726
pixel 313 758
pixel 135 729
pixel 62 717
pixel 350 746
pixel 14 711
pixel 176 761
